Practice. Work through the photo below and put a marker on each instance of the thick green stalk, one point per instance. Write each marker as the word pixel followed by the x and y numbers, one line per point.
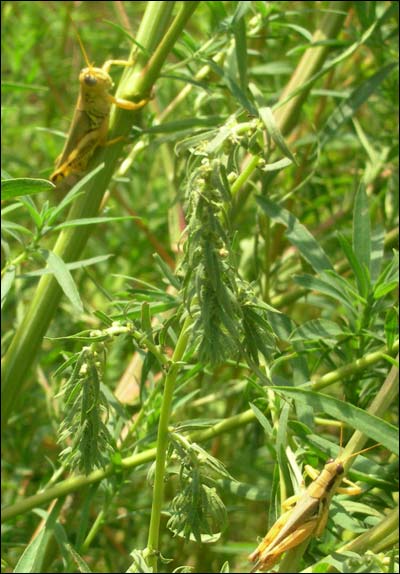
pixel 28 337
pixel 162 444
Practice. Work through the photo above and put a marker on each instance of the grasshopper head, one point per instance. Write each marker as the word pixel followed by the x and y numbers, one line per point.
pixel 95 80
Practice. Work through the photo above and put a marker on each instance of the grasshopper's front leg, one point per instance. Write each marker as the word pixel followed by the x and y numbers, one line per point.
pixel 121 102
pixel 127 104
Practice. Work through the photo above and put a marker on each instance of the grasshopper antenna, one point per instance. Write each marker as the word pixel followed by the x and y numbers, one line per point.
pixel 84 53
pixel 363 450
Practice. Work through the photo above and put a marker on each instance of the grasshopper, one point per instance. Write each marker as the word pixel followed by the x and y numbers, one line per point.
pixel 89 125
pixel 308 517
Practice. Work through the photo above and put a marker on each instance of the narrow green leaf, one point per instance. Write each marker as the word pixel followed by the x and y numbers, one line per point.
pixel 64 279
pixel 33 557
pixel 276 68
pixel 362 228
pixel 360 272
pixel 277 165
pixel 391 326
pixel 146 320
pixel 241 10
pixel 325 287
pixel 297 234
pixel 185 124
pixel 11 188
pixel 239 33
pixel 5 175
pixel 75 191
pixel 299 29
pixel 317 329
pixel 377 251
pixel 33 211
pixel 349 106
pixel 22 86
pixel 6 283
pixel 385 288
pixel 388 277
pixel 234 88
pixel 74 265
pixel 93 221
pixel 262 419
pixel 243 490
pixel 268 119
pixel 282 436
pixel 77 558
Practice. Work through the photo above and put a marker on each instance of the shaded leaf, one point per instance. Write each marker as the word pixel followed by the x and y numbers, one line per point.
pixel 297 234
pixel 362 228
pixel 64 279
pixel 11 188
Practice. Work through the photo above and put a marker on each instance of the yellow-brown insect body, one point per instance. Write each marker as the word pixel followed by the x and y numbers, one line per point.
pixel 307 518
pixel 302 519
pixel 89 125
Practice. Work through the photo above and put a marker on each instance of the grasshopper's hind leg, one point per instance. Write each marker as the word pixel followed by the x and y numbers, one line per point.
pixel 272 554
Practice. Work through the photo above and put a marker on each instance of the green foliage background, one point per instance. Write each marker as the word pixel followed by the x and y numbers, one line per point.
pixel 275 231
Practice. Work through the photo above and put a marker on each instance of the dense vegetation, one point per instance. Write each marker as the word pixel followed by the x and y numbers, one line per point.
pixel 197 318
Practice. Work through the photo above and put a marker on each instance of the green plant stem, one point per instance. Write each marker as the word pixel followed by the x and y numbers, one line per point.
pixel 77 482
pixel 245 174
pixel 92 532
pixel 162 444
pixel 71 242
pixel 320 382
pixel 146 80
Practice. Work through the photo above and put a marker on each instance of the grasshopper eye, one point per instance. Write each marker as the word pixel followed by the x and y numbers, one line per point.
pixel 340 468
pixel 90 80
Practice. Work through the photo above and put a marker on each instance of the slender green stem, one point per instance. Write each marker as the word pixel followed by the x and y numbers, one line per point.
pixel 92 532
pixel 320 382
pixel 162 444
pixel 157 59
pixel 246 173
